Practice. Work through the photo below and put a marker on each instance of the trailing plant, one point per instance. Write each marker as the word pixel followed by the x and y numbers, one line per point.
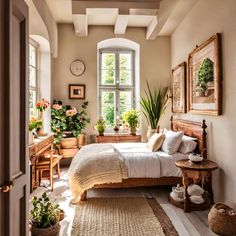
pixel 44 214
pixel 154 105
pixel 35 123
pixel 100 125
pixel 67 121
pixel 131 117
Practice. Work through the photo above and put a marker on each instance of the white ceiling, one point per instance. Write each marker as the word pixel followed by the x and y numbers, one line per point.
pixel 162 21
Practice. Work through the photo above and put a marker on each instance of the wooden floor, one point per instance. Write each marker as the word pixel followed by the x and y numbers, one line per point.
pixel 187 224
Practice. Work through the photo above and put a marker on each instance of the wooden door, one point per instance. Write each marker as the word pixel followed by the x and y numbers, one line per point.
pixel 14 162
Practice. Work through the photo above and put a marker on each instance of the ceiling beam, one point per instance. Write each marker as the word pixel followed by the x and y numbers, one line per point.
pixel 152 26
pixel 81 25
pixel 79 7
pixel 121 24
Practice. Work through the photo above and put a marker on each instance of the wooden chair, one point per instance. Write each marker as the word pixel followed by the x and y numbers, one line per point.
pixel 48 161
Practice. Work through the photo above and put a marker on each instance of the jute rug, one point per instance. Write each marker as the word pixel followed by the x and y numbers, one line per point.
pixel 121 217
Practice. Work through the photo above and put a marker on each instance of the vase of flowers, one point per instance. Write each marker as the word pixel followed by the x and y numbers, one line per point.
pixel 34 125
pixel 100 126
pixel 41 106
pixel 45 217
pixel 131 117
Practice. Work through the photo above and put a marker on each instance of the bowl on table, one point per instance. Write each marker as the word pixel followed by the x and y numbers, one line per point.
pixel 195 158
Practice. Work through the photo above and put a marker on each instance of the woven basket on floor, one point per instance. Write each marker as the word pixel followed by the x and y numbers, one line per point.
pixel 50 231
pixel 222 223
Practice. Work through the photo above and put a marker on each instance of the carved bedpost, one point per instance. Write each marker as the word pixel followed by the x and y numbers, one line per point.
pixel 171 123
pixel 204 144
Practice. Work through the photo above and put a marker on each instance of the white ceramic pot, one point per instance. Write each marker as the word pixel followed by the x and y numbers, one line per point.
pixel 150 132
pixel 31 138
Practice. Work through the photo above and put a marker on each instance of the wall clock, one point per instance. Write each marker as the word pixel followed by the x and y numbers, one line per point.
pixel 77 67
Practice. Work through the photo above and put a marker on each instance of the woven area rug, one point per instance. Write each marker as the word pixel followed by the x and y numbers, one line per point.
pixel 121 217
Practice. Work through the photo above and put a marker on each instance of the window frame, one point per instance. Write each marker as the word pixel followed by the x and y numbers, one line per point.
pixel 117 87
pixel 35 88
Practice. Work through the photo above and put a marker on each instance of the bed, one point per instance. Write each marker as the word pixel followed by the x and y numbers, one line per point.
pixel 139 166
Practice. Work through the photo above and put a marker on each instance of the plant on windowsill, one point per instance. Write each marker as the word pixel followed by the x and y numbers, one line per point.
pixel 34 124
pixel 154 105
pixel 100 126
pixel 67 125
pixel 44 217
pixel 131 117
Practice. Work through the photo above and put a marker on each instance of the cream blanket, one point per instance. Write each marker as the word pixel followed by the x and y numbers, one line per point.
pixel 95 164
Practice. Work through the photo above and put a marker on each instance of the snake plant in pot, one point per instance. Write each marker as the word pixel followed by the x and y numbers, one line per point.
pixel 154 104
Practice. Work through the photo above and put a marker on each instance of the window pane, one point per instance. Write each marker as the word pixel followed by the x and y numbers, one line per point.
pixel 32 55
pixel 125 101
pixel 108 77
pixel 32 101
pixel 125 61
pixel 108 61
pixel 32 76
pixel 125 77
pixel 108 107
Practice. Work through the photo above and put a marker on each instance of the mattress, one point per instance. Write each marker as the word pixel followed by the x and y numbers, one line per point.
pixel 142 163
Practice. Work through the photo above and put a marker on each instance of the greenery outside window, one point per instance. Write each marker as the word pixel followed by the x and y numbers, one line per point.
pixel 116 83
pixel 33 78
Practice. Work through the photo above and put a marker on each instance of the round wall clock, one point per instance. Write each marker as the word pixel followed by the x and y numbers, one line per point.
pixel 77 67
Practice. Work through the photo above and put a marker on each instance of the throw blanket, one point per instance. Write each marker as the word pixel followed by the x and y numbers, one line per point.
pixel 95 164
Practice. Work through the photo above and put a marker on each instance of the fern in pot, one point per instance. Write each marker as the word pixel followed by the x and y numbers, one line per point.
pixel 44 217
pixel 154 104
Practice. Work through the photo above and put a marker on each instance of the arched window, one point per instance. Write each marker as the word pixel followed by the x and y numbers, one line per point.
pixel 117 81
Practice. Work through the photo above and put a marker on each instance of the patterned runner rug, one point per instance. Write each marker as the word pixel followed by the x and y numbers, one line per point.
pixel 121 217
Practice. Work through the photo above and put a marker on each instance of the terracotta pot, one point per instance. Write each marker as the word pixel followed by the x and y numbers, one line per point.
pixel 50 231
pixel 69 143
pixel 150 132
pixel 133 130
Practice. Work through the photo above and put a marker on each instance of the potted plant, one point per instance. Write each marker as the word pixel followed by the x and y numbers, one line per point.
pixel 41 106
pixel 154 105
pixel 131 117
pixel 34 124
pixel 67 124
pixel 100 126
pixel 44 217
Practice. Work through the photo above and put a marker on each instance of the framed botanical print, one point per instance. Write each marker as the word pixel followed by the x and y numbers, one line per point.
pixel 76 91
pixel 178 85
pixel 205 79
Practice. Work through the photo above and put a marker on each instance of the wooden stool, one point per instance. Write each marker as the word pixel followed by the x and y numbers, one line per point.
pixel 47 162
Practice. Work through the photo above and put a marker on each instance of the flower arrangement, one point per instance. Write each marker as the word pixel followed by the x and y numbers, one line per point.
pixel 100 126
pixel 67 121
pixel 35 123
pixel 42 105
pixel 131 117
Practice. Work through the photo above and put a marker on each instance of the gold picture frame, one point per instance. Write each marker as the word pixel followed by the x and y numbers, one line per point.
pixel 178 87
pixel 76 91
pixel 205 78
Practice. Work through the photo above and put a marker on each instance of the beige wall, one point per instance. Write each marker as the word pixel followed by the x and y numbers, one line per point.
pixel 154 64
pixel 205 19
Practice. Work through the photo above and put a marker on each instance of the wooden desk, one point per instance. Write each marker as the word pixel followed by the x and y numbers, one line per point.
pixel 118 138
pixel 35 150
pixel 200 174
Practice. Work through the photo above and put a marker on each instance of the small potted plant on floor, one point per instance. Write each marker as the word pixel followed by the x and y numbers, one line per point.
pixel 100 126
pixel 44 217
pixel 131 117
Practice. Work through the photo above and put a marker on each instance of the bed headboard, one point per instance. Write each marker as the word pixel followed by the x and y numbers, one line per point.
pixel 193 129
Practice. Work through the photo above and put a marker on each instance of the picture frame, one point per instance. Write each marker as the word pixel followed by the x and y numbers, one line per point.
pixel 205 78
pixel 76 91
pixel 178 87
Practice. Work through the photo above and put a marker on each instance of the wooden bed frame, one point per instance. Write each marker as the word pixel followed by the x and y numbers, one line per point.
pixel 192 129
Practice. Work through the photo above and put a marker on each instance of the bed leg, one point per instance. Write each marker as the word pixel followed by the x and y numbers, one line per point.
pixel 83 196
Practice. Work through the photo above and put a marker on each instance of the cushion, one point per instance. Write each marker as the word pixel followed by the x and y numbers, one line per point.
pixel 196 199
pixel 155 142
pixel 187 144
pixel 195 190
pixel 172 142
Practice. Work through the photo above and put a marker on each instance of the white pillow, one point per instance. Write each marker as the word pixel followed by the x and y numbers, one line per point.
pixel 172 141
pixel 187 144
pixel 195 190
pixel 155 142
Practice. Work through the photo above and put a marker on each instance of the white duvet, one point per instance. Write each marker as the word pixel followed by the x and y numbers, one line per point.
pixel 142 163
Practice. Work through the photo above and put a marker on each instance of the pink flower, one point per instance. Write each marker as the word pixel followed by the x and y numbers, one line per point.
pixel 56 106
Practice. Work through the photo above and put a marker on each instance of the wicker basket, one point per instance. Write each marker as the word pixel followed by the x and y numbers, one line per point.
pixel 50 231
pixel 220 222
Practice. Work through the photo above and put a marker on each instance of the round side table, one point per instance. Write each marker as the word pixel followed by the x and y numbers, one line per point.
pixel 200 174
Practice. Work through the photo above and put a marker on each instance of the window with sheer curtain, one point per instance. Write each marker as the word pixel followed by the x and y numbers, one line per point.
pixel 33 79
pixel 116 83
